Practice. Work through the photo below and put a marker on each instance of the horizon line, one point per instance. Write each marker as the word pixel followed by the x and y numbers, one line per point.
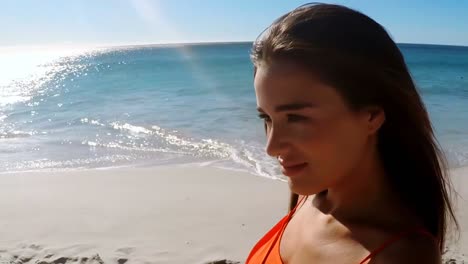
pixel 238 42
pixel 174 44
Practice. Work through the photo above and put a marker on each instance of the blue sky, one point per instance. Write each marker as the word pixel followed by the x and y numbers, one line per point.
pixel 117 22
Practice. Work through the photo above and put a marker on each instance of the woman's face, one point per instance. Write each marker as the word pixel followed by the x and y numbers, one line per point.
pixel 317 139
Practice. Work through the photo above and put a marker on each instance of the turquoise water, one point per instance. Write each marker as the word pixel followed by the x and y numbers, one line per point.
pixel 144 106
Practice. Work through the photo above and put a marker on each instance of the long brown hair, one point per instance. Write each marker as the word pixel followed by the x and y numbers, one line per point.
pixel 351 52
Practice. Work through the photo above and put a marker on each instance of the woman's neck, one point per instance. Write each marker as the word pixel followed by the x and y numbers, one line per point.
pixel 365 196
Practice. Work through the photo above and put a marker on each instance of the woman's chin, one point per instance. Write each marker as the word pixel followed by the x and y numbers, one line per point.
pixel 303 189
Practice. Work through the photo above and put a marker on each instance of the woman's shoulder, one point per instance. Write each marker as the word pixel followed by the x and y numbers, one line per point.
pixel 411 247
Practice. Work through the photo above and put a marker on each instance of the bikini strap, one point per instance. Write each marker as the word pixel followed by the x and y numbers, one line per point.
pixel 284 223
pixel 299 202
pixel 395 238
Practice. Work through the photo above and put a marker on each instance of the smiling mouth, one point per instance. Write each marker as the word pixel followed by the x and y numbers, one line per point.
pixel 294 169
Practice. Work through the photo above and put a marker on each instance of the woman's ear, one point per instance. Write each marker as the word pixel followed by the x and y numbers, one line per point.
pixel 375 118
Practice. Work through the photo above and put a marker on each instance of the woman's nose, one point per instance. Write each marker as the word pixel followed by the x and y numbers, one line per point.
pixel 276 142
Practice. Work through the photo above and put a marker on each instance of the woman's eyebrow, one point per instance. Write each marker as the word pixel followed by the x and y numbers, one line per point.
pixel 289 107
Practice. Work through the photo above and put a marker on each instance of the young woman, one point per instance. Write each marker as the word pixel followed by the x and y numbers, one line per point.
pixel 349 129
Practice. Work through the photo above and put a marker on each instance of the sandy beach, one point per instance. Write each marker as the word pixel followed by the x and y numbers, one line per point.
pixel 183 214
pixel 154 215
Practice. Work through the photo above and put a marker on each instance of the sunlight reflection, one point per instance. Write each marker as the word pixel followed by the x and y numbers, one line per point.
pixel 151 12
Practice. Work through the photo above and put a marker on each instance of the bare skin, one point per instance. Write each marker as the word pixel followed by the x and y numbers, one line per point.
pixel 330 154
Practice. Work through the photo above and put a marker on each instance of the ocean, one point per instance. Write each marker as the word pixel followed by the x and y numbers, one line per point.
pixel 175 104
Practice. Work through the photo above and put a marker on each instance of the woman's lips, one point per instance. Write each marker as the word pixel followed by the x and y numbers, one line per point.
pixel 291 170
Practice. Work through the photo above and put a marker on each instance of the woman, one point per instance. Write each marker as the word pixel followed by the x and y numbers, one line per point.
pixel 348 127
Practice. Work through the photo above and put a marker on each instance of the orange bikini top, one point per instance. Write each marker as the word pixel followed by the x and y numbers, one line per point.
pixel 267 249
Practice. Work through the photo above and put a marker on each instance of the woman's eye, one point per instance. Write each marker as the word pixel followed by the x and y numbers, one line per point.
pixel 264 117
pixel 295 118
